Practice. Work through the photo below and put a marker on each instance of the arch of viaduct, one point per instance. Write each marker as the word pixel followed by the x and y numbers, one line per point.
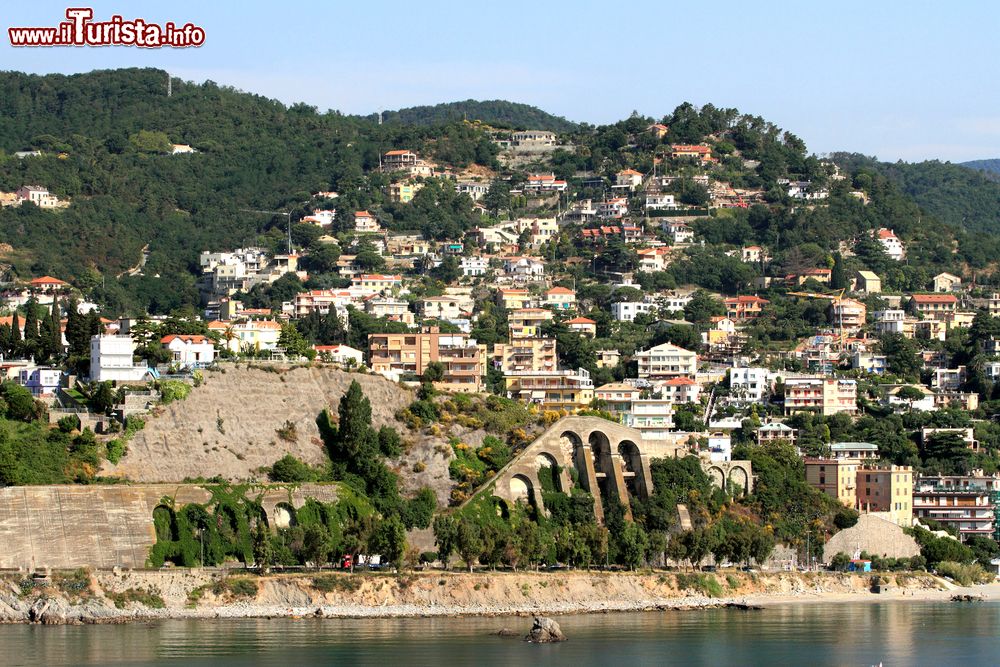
pixel 611 460
pixel 112 526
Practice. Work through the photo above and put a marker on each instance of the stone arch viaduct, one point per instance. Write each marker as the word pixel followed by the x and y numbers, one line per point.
pixel 610 460
pixel 112 526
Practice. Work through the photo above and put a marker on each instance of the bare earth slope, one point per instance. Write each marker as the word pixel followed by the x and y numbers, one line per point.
pixel 229 425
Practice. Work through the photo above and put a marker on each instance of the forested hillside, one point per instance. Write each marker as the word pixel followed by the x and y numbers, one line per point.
pixel 991 167
pixel 105 137
pixel 498 113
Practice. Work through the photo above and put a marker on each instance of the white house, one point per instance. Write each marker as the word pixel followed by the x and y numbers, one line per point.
pixel 190 351
pixel 660 201
pixel 679 231
pixel 111 359
pixel 749 384
pixel 666 361
pixel 474 266
pixel 891 243
pixel 40 381
pixel 345 355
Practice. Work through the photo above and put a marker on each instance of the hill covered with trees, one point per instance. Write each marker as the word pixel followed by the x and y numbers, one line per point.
pixel 991 166
pixel 498 113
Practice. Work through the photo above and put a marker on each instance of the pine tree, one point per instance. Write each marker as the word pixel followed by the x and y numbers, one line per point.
pixel 838 277
pixel 76 330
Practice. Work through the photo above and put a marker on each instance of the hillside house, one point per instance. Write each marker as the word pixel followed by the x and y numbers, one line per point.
pixel 190 351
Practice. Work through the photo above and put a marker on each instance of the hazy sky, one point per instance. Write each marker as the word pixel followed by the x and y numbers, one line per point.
pixel 900 80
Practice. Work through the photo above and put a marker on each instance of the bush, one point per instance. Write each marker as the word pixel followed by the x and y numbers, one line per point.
pixel 424 410
pixel 290 469
pixel 428 557
pixel 840 562
pixel 143 596
pixel 173 390
pixel 964 574
pixel 116 450
pixel 242 587
pixel 703 583
pixel 69 423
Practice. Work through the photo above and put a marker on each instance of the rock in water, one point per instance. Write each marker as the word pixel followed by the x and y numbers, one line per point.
pixel 545 631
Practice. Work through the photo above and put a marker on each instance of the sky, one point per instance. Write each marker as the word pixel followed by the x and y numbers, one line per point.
pixel 909 80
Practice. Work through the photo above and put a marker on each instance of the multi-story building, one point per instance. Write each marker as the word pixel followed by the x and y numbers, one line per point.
pixel 403 191
pixel 743 308
pixel 939 307
pixel 514 298
pixel 583 326
pixel 700 153
pixel 969 508
pixel 653 417
pixel 854 450
pixel 527 322
pixel 553 390
pixel 544 183
pixel 749 384
pixel 248 335
pixel 826 396
pixel 525 354
pixel 390 308
pixel 837 478
pixel 463 359
pixel 474 266
pixel 652 260
pixel 887 490
pixel 377 282
pixel 560 298
pixel 774 432
pixel 848 314
pixel 666 361
pixel 891 243
pixel 679 390
pixel 38 196
pixel 617 397
pixel 111 360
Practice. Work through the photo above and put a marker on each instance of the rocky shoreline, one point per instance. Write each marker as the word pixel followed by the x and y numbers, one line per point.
pixel 126 597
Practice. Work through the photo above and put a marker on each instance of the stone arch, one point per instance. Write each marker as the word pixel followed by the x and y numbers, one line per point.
pixel 600 450
pixel 521 489
pixel 718 477
pixel 570 443
pixel 165 523
pixel 738 478
pixel 284 516
pixel 501 507
pixel 546 464
pixel 631 458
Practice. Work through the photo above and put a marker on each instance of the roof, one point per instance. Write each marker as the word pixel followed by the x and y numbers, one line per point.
pixel 629 172
pixel 746 299
pixel 185 338
pixel 47 280
pixel 686 148
pixel 399 152
pixel 886 233
pixel 542 177
pixel 934 298
pixel 868 275
pixel 867 446
pixel 580 320
pixel 616 386
pixel 560 290
pixel 377 276
pixel 362 214
pixel 679 382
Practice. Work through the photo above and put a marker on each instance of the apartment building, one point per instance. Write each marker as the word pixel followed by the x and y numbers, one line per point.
pixel 743 308
pixel 525 354
pixel 527 322
pixel 552 390
pixel 837 478
pixel 666 361
pixel 969 508
pixel 826 396
pixel 939 307
pixel 463 359
pixel 887 490
pixel 848 314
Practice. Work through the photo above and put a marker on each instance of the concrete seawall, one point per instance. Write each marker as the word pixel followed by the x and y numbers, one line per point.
pixel 104 526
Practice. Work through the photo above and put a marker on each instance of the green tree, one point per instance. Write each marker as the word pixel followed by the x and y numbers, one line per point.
pixel 389 541
pixel 635 545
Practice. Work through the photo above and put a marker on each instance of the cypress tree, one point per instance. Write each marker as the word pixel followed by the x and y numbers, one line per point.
pixel 15 335
pixel 55 345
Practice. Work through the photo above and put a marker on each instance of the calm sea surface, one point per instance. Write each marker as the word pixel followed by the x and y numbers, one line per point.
pixel 895 633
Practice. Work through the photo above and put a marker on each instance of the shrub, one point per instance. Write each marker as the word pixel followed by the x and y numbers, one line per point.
pixel 142 596
pixel 69 423
pixel 336 582
pixel 964 574
pixel 706 584
pixel 428 557
pixel 116 450
pixel 173 390
pixel 242 587
pixel 288 432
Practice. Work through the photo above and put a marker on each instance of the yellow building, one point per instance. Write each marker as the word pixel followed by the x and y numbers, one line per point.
pixel 553 390
pixel 836 478
pixel 526 322
pixel 248 335
pixel 887 490
pixel 513 298
pixel 525 354
pixel 404 191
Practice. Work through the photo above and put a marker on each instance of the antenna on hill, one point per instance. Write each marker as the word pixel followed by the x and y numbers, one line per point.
pixel 380 116
pixel 170 89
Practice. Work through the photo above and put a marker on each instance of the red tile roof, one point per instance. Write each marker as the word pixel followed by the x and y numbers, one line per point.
pixel 934 298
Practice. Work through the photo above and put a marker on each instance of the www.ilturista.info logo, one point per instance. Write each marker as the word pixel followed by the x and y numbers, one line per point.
pixel 80 30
